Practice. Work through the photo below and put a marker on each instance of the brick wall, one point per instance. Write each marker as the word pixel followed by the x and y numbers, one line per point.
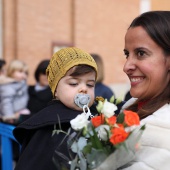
pixel 30 27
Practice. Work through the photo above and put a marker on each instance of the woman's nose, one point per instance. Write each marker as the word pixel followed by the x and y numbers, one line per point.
pixel 129 65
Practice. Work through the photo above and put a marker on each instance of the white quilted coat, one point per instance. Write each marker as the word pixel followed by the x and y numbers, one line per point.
pixel 154 152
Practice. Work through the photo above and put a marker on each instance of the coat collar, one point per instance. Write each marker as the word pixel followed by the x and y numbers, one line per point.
pixel 49 116
pixel 52 114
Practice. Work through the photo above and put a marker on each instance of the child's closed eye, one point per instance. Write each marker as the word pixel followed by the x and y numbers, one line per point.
pixel 90 85
pixel 73 84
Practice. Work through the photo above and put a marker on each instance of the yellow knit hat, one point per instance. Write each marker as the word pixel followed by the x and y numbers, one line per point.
pixel 65 59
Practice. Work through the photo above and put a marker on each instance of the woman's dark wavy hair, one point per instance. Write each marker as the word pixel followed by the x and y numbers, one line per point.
pixel 157 25
pixel 41 69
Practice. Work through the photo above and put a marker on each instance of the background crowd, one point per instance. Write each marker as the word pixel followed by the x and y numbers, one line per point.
pixel 19 101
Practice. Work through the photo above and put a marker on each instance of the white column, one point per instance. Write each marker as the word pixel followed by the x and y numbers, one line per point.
pixel 145 5
pixel 1 30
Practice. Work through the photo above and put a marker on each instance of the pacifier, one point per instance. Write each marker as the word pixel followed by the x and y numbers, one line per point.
pixel 82 99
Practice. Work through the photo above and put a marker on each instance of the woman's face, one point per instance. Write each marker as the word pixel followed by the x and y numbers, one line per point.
pixel 146 65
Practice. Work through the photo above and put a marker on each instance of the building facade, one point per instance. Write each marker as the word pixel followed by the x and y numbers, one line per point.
pixel 32 30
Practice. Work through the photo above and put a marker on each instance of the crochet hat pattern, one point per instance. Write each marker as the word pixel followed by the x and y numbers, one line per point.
pixel 63 60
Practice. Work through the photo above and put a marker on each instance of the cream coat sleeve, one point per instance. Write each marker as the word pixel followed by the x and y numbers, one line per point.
pixel 154 152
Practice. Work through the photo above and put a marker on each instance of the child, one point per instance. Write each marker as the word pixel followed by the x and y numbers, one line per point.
pixel 71 74
pixel 39 94
pixel 13 93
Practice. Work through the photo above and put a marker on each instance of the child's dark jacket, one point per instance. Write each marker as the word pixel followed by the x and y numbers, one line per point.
pixel 35 136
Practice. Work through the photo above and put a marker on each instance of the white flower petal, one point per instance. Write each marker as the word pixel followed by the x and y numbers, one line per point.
pixel 102 132
pixel 108 109
pixel 79 122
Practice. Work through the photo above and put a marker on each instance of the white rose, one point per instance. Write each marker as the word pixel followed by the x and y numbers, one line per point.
pixel 108 109
pixel 103 131
pixel 79 122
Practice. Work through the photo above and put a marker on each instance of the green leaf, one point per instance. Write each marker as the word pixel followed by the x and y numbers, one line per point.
pixel 78 163
pixel 87 149
pixel 118 100
pixel 120 118
pixel 99 106
pixel 74 147
pixel 96 143
pixel 112 99
pixel 143 127
pixel 82 142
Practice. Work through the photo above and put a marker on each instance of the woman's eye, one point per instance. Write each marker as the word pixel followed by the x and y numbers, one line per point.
pixel 140 53
pixel 126 53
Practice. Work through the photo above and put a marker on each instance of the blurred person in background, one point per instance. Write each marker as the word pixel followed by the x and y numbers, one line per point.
pixel 3 78
pixel 14 93
pixel 39 94
pixel 2 67
pixel 100 88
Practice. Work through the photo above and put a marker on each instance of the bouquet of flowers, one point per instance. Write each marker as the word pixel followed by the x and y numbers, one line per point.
pixel 105 141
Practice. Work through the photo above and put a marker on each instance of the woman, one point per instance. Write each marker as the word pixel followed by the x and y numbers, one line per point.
pixel 147 50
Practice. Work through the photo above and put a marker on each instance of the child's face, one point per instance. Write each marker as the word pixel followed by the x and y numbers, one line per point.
pixel 19 75
pixel 69 86
pixel 43 80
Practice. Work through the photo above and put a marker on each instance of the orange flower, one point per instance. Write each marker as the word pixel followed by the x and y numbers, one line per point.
pixel 111 120
pixel 97 120
pixel 131 118
pixel 120 125
pixel 119 135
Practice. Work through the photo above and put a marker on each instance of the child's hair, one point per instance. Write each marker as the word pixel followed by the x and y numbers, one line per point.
pixel 41 69
pixel 2 63
pixel 64 60
pixel 81 70
pixel 16 65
